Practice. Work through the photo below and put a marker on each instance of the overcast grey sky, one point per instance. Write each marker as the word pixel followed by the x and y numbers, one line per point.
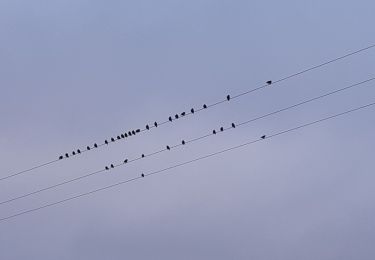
pixel 77 72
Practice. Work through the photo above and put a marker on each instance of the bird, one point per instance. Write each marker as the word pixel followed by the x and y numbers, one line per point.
pixel 126 161
pixel 176 116
pixel 78 151
pixel 95 145
pixel 183 142
pixel 147 127
pixel 118 137
pixel 269 82
pixel 88 148
pixel 204 106
pixel 130 133
pixel 143 156
pixel 126 135
pixel 156 124
pixel 67 155
pixel 214 132
pixel 228 97
pixel 61 157
pixel 112 139
pixel 138 130
pixel 233 125
pixel 122 136
pixel 133 132
pixel 74 153
pixel 183 114
pixel 106 142
pixel 263 137
pixel 112 166
pixel 221 129
pixel 107 168
pixel 170 118
pixel 142 175
pixel 192 110
pixel 168 148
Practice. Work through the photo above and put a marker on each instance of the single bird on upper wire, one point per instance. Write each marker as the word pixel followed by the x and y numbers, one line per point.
pixel 214 132
pixel 233 125
pixel 142 175
pixel 183 142
pixel 88 148
pixel 78 151
pixel 118 137
pixel 133 132
pixel 96 145
pixel 107 168
pixel 67 155
pixel 122 136
pixel 147 127
pixel 221 129
pixel 143 155
pixel 176 116
pixel 126 161
pixel 126 134
pixel 106 142
pixel 183 114
pixel 138 130
pixel 263 137
pixel 74 153
pixel 168 148
pixel 156 124
pixel 269 82
pixel 228 97
pixel 170 118
pixel 61 157
pixel 112 139
pixel 112 166
pixel 204 106
pixel 192 110
pixel 130 133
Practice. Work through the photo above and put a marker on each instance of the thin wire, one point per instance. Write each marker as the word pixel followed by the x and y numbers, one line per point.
pixel 199 110
pixel 191 140
pixel 188 162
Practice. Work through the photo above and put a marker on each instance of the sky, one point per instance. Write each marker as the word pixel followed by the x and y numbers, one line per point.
pixel 78 72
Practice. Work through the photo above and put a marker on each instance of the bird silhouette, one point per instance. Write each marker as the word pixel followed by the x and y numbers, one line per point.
pixel 78 151
pixel 142 175
pixel 183 142
pixel 269 82
pixel 61 157
pixel 118 137
pixel 130 133
pixel 126 161
pixel 204 106
pixel 74 153
pixel 233 125
pixel 156 124
pixel 221 129
pixel 88 148
pixel 112 139
pixel 263 137
pixel 138 130
pixel 112 166
pixel 126 135
pixel 143 156
pixel 107 168
pixel 176 116
pixel 192 110
pixel 228 97
pixel 147 127
pixel 95 145
pixel 106 142
pixel 122 136
pixel 170 118
pixel 133 132
pixel 183 114
pixel 168 148
pixel 214 132
pixel 67 155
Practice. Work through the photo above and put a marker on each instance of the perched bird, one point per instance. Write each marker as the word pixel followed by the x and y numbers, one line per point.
pixel 228 97
pixel 112 166
pixel 88 148
pixel 130 133
pixel 170 118
pixel 269 82
pixel 67 155
pixel 126 135
pixel 118 137
pixel 133 132
pixel 183 114
pixel 233 125
pixel 214 132
pixel 168 148
pixel 74 153
pixel 204 106
pixel 147 127
pixel 78 151
pixel 183 142
pixel 61 157
pixel 143 156
pixel 112 139
pixel 192 110
pixel 263 137
pixel 126 161
pixel 142 175
pixel 138 130
pixel 107 168
pixel 176 116
pixel 122 136
pixel 106 142
pixel 95 145
pixel 156 124
pixel 221 129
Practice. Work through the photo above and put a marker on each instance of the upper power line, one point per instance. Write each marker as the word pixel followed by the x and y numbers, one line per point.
pixel 180 115
pixel 143 175
pixel 184 142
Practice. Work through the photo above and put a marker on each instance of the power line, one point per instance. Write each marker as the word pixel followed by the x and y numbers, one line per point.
pixel 183 114
pixel 221 129
pixel 188 162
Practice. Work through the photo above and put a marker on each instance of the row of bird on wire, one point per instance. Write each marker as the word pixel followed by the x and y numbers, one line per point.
pixel 134 132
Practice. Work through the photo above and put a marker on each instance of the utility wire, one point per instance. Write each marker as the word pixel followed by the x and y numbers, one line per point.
pixel 222 129
pixel 187 162
pixel 183 114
